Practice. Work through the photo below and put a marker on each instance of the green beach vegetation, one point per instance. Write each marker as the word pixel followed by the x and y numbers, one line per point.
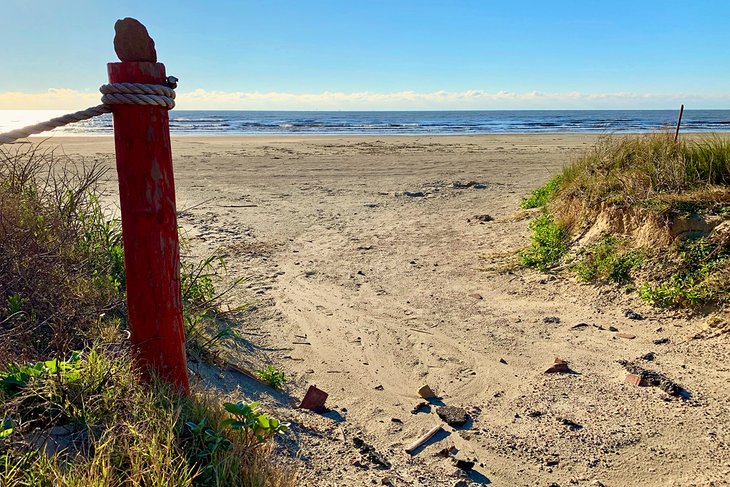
pixel 272 376
pixel 644 210
pixel 74 410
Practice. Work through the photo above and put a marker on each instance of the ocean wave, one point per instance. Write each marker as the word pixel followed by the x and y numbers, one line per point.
pixel 189 122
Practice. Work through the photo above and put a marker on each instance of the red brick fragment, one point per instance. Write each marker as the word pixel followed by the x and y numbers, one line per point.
pixel 559 367
pixel 636 380
pixel 314 400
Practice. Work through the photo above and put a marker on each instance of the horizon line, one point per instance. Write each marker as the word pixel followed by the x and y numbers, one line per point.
pixel 423 110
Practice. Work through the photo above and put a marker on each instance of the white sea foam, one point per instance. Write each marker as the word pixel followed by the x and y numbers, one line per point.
pixel 396 123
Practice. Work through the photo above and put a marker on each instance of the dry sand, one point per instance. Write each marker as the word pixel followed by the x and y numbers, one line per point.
pixel 370 294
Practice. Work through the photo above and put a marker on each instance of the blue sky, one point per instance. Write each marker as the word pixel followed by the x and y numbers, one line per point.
pixel 374 54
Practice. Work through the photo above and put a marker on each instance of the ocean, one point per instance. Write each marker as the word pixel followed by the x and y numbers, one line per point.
pixel 210 122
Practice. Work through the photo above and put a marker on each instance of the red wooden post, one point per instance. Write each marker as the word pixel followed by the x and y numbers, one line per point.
pixel 149 224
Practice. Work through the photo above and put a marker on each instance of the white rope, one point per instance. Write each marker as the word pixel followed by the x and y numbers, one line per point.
pixel 113 94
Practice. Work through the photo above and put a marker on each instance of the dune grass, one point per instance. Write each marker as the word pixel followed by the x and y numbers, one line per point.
pixel 61 260
pixel 118 432
pixel 62 289
pixel 635 170
pixel 645 177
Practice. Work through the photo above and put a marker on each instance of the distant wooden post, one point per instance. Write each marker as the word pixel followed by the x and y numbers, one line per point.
pixel 149 219
pixel 679 121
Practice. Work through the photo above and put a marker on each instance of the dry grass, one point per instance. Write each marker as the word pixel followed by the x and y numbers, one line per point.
pixel 647 172
pixel 124 433
pixel 62 289
pixel 60 258
pixel 639 168
pixel 662 198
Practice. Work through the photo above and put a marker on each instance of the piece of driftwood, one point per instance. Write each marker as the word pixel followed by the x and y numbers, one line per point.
pixel 244 371
pixel 423 439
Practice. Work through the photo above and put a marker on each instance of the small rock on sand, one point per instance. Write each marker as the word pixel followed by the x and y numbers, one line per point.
pixel 452 415
pixel 632 315
pixel 470 184
pixel 370 453
pixel 464 464
pixel 483 218
pixel 580 326
pixel 426 392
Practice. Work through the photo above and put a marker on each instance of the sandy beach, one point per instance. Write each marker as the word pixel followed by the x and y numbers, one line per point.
pixel 371 274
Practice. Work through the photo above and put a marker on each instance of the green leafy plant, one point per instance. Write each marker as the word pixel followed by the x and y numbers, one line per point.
pixel 210 444
pixel 272 376
pixel 6 428
pixel 15 304
pixel 606 262
pixel 542 195
pixel 249 419
pixel 249 429
pixel 138 434
pixel 549 244
pixel 16 377
pixel 701 276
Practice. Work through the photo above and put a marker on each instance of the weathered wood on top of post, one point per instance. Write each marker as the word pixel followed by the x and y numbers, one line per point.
pixel 149 219
pixel 132 42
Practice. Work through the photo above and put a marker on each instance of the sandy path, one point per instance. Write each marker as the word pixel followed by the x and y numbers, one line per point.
pixel 392 292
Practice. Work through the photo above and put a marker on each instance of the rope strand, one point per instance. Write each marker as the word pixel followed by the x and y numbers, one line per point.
pixel 112 94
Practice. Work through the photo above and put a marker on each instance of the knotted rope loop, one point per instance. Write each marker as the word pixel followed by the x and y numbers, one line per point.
pixel 112 94
pixel 137 94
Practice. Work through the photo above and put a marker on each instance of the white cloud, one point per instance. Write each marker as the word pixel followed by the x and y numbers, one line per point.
pixel 68 99
pixel 438 100
pixel 53 99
